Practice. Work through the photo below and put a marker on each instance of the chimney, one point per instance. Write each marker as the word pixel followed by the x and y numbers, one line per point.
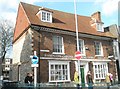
pixel 96 16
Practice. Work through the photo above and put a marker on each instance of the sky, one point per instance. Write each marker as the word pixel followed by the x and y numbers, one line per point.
pixel 108 8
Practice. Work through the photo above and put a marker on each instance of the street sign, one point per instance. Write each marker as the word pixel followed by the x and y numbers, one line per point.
pixel 34 65
pixel 78 55
pixel 34 60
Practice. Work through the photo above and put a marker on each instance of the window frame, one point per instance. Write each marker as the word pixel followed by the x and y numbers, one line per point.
pixel 46 17
pixel 58 45
pixel 100 49
pixel 99 27
pixel 101 71
pixel 59 63
pixel 81 41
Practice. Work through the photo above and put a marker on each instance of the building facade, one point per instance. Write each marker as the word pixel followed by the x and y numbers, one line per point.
pixel 52 35
pixel 115 31
pixel 6 69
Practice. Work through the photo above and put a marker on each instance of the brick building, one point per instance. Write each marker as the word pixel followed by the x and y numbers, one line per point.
pixel 52 34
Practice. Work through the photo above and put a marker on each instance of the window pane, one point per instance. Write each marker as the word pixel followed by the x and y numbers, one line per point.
pixel 56 77
pixel 100 71
pixel 81 46
pixel 57 44
pixel 59 40
pixel 52 78
pixel 97 48
pixel 52 72
pixel 59 72
pixel 52 66
pixel 48 16
pixel 59 66
pixel 56 66
pixel 43 16
pixel 99 27
pixel 65 66
pixel 96 75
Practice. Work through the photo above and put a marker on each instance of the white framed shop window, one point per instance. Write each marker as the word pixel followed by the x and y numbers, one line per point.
pixel 100 70
pixel 59 71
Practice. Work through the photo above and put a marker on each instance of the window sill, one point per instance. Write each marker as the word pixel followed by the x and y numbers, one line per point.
pixel 58 53
pixel 60 81
pixel 99 78
pixel 46 21
pixel 98 55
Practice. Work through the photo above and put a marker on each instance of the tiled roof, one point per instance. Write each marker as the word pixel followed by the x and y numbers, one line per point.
pixel 62 20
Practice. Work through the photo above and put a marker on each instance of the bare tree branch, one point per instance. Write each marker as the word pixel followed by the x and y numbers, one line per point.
pixel 6 36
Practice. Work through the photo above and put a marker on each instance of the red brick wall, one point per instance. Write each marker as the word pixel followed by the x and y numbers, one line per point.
pixel 46 43
pixel 21 23
pixel 44 71
pixel 97 16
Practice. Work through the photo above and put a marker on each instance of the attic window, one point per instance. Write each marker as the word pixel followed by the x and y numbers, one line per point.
pixel 46 16
pixel 99 27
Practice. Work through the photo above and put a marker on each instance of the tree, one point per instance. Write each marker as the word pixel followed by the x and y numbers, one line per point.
pixel 6 37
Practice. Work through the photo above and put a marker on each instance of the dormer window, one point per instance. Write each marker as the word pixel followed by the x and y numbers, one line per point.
pixel 99 27
pixel 46 16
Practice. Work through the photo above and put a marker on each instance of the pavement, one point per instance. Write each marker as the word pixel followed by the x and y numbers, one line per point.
pixel 0 84
pixel 110 87
pixel 117 86
pixel 95 87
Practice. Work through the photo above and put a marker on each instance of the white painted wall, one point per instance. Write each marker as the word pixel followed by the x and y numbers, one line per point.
pixel 17 48
pixel 18 45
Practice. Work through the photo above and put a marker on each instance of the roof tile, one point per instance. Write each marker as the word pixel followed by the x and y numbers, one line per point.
pixel 62 20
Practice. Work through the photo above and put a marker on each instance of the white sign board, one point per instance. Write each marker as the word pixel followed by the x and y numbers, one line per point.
pixel 34 65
